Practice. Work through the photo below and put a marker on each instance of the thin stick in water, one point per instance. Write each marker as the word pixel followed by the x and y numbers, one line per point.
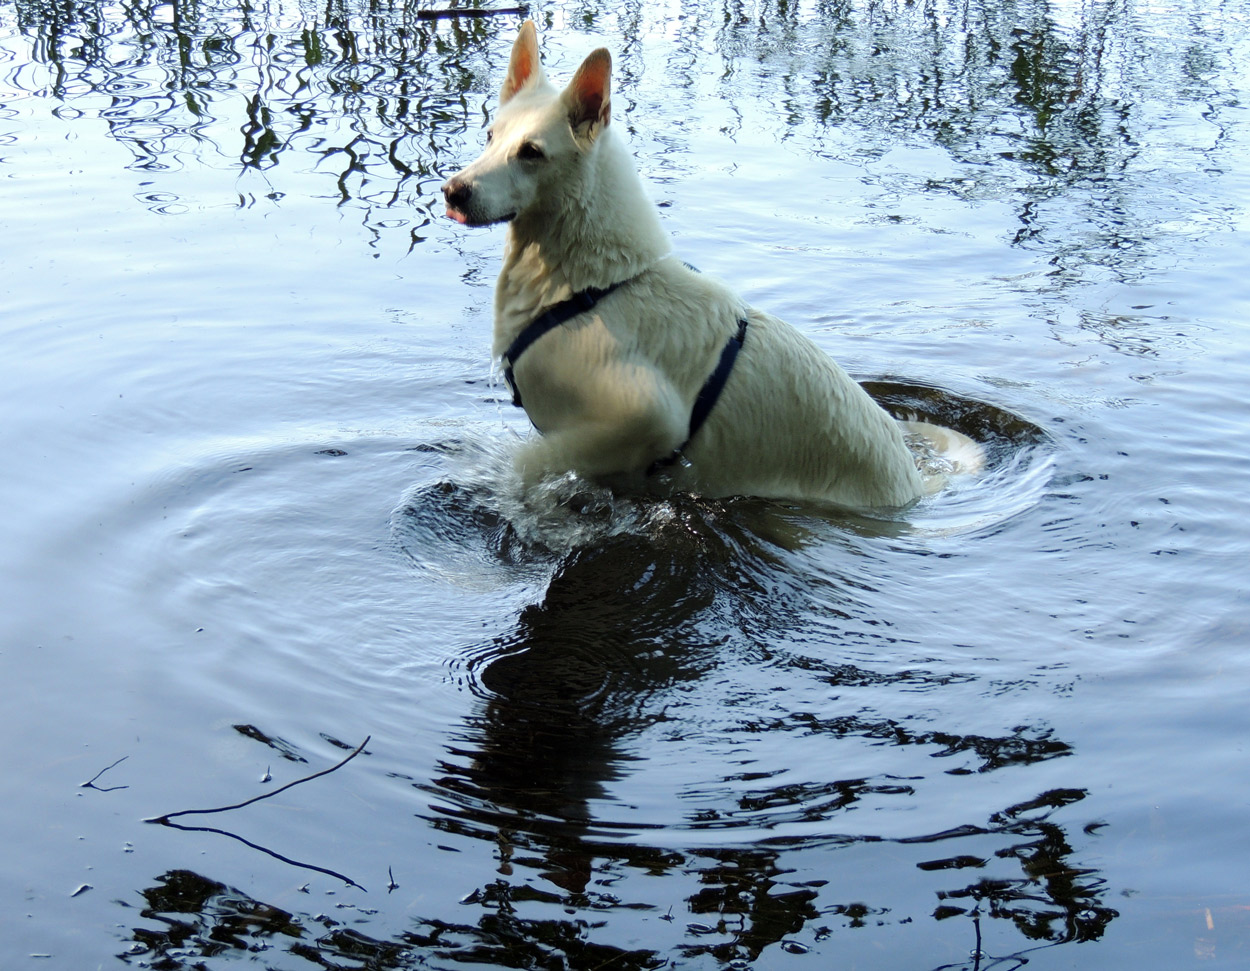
pixel 90 783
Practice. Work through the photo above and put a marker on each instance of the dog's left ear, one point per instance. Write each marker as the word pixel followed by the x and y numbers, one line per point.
pixel 587 97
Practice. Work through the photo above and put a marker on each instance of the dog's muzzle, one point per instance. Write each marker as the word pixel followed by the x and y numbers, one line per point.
pixel 464 207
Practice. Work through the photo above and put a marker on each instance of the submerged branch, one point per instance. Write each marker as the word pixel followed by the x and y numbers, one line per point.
pixel 432 14
pixel 165 820
pixel 256 846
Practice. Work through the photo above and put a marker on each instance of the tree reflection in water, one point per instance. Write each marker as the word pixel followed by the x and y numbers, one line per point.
pixel 1037 98
pixel 373 95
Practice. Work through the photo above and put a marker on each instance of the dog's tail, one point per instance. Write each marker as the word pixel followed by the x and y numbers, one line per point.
pixel 942 453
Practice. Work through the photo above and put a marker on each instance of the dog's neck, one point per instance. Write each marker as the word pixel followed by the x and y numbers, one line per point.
pixel 602 229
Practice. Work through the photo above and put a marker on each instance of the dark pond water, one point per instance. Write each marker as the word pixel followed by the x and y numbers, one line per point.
pixel 255 505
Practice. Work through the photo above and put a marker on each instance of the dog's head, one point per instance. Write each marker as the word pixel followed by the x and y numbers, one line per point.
pixel 538 141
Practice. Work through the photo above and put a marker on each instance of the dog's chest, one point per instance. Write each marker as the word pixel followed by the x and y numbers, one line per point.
pixel 525 287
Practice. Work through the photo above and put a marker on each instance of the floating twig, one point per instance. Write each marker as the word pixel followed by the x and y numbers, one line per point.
pixel 90 783
pixel 267 795
pixel 433 14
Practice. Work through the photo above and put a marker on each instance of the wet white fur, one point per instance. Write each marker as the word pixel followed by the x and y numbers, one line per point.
pixel 612 389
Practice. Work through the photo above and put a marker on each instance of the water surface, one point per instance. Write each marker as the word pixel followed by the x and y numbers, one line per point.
pixel 257 502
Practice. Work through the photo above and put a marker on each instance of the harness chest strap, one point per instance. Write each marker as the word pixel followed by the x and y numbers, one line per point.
pixel 585 300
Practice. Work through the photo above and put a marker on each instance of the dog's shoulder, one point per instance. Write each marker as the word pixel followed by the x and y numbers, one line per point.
pixel 688 296
pixel 678 317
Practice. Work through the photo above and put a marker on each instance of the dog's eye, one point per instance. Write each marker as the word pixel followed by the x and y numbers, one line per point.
pixel 529 152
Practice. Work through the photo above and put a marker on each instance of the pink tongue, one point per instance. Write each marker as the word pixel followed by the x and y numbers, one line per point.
pixel 456 215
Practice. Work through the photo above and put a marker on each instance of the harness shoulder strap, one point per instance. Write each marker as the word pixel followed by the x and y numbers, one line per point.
pixel 544 323
pixel 707 397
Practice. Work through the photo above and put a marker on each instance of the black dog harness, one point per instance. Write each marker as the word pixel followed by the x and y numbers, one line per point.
pixel 584 301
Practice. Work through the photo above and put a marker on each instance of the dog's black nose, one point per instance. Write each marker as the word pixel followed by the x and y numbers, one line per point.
pixel 456 193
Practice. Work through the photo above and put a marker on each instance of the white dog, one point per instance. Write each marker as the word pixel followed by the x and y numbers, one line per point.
pixel 634 367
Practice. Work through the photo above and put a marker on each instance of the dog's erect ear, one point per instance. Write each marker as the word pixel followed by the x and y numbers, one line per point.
pixel 587 96
pixel 524 67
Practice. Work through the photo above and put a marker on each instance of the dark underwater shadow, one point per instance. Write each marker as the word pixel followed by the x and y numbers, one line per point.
pixel 625 628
